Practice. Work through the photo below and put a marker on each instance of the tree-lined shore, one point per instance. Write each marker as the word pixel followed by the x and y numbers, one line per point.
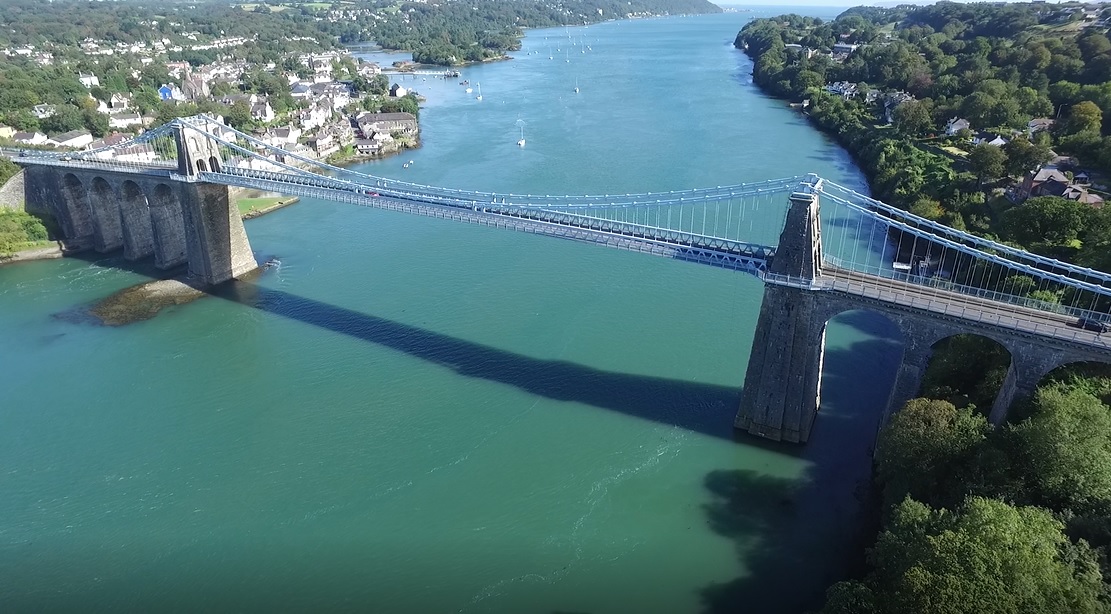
pixel 952 111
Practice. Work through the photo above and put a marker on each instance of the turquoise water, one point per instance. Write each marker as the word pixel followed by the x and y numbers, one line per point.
pixel 412 415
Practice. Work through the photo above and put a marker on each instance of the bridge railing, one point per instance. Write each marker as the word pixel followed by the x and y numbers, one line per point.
pixel 941 283
pixel 1028 321
pixel 934 229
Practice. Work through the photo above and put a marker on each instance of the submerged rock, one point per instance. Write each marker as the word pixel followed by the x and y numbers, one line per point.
pixel 144 301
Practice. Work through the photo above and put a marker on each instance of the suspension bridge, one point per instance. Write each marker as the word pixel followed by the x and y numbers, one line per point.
pixel 165 194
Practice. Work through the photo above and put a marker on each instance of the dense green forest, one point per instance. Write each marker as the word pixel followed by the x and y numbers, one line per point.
pixel 997 66
pixel 975 518
pixel 459 32
pixel 981 519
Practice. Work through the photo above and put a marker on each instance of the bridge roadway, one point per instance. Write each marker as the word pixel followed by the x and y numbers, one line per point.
pixel 954 305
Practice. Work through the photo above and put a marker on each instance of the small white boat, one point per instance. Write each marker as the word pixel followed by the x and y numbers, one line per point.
pixel 469 90
pixel 521 143
pixel 479 86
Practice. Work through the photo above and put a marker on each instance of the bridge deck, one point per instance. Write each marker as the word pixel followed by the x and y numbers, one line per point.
pixel 959 306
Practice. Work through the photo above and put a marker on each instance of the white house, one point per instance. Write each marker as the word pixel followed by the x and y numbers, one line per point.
pixel 988 138
pixel 123 121
pixel 955 125
pixel 119 102
pixel 314 117
pixel 262 111
pixel 89 81
pixel 74 138
pixel 30 138
pixel 280 137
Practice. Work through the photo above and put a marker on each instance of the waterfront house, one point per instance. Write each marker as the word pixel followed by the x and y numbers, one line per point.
pixel 843 89
pixel 388 123
pixel 323 144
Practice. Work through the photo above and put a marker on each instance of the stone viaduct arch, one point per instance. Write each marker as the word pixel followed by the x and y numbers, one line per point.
pixel 138 235
pixel 107 224
pixel 782 385
pixel 146 214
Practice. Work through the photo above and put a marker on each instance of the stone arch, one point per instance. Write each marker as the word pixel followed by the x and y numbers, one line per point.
pixel 859 369
pixel 1063 372
pixel 138 236
pixel 168 226
pixel 214 164
pixel 967 368
pixel 201 167
pixel 77 219
pixel 108 227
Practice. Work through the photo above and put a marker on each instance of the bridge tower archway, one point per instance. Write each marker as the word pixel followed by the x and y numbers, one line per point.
pixel 108 227
pixel 201 166
pixel 168 227
pixel 861 353
pixel 138 236
pixel 77 218
pixel 214 164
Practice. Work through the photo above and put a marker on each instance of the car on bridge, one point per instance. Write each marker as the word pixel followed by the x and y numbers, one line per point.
pixel 1099 326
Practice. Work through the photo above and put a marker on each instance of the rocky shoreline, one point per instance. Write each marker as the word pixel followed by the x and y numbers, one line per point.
pixel 46 252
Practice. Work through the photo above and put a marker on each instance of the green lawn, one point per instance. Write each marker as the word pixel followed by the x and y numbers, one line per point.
pixel 246 205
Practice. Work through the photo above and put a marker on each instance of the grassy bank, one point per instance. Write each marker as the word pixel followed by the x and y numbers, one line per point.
pixel 254 207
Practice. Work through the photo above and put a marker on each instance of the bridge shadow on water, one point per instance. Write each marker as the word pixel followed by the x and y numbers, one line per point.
pixel 651 398
pixel 786 530
pixel 780 526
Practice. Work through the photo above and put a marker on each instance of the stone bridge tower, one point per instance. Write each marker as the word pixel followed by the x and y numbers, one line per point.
pixel 148 211
pixel 781 392
pixel 782 385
